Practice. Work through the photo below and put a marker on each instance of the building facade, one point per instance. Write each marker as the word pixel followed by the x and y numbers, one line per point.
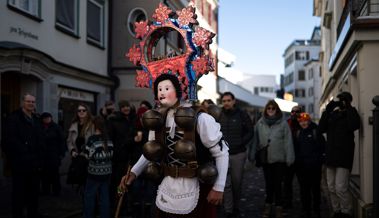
pixel 261 85
pixel 349 62
pixel 295 80
pixel 57 51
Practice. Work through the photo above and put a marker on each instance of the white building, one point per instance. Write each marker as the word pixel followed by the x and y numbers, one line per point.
pixel 56 50
pixel 313 93
pixel 296 55
pixel 262 85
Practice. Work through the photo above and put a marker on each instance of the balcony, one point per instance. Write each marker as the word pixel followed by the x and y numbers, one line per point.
pixel 357 8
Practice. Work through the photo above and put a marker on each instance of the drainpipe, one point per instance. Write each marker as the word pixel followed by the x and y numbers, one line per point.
pixel 375 101
pixel 110 68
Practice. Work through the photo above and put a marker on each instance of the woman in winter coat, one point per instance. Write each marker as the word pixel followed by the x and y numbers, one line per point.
pixel 273 132
pixel 309 154
pixel 80 130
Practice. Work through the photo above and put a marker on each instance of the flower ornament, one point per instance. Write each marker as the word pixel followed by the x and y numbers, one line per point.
pixel 141 28
pixel 134 54
pixel 201 66
pixel 142 79
pixel 203 37
pixel 187 16
pixel 162 13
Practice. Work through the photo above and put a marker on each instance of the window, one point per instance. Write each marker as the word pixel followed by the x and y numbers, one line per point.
pixel 136 15
pixel 310 108
pixel 256 90
pixel 301 75
pixel 67 16
pixel 310 73
pixel 289 60
pixel 310 92
pixel 95 22
pixel 299 93
pixel 302 55
pixel 262 89
pixel 28 7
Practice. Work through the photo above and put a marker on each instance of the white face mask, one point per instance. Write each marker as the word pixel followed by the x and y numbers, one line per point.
pixel 166 93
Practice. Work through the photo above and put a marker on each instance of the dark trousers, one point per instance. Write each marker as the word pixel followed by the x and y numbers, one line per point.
pixel 288 184
pixel 309 178
pixel 274 174
pixel 51 180
pixel 25 188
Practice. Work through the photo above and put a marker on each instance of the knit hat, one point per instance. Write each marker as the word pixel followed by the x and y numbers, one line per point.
pixel 45 115
pixel 304 117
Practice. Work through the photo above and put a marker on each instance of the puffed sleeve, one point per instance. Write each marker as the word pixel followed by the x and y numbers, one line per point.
pixel 211 137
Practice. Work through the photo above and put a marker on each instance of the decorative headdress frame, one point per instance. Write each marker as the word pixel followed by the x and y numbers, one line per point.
pixel 188 66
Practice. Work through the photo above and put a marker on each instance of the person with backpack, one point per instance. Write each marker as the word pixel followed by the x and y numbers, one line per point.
pixel 309 154
pixel 182 149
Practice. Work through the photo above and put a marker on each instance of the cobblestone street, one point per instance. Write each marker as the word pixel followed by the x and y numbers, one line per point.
pixel 69 204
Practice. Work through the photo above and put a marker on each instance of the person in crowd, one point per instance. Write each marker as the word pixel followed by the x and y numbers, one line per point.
pixel 143 190
pixel 290 170
pixel 207 102
pixel 122 133
pixel 273 133
pixel 339 121
pixel 145 104
pixel 236 127
pixel 309 154
pixel 98 150
pixel 80 130
pixel 108 109
pixel 24 144
pixel 52 155
pixel 180 194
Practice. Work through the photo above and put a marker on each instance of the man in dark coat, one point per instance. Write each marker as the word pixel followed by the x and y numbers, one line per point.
pixel 339 121
pixel 237 129
pixel 122 132
pixel 52 154
pixel 24 145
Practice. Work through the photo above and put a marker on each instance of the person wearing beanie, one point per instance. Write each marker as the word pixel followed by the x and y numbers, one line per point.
pixel 309 152
pixel 339 121
pixel 182 194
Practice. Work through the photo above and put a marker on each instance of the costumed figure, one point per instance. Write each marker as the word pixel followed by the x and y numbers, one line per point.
pixel 186 149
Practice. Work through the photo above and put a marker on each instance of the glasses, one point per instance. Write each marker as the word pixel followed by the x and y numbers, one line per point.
pixel 82 110
pixel 271 108
pixel 297 112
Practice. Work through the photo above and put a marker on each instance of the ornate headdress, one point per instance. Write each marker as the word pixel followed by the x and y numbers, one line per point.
pixel 188 65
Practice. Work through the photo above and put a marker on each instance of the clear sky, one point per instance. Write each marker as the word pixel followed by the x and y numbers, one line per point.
pixel 258 31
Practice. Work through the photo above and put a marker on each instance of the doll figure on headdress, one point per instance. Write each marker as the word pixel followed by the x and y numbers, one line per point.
pixel 182 192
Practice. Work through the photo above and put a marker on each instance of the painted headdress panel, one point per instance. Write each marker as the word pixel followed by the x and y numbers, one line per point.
pixel 188 63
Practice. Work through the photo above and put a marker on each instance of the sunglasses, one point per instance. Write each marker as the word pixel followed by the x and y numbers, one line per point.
pixel 295 112
pixel 271 108
pixel 82 110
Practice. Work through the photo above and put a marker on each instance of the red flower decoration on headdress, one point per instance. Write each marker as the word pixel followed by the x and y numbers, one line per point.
pixel 201 65
pixel 187 16
pixel 203 37
pixel 141 28
pixel 162 13
pixel 134 54
pixel 142 79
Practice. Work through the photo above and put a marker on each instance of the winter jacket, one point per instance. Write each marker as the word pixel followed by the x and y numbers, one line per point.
pixel 339 127
pixel 237 129
pixel 309 146
pixel 23 141
pixel 278 137
pixel 54 144
pixel 121 132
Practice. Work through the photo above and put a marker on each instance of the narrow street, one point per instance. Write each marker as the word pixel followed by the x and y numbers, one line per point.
pixel 69 204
